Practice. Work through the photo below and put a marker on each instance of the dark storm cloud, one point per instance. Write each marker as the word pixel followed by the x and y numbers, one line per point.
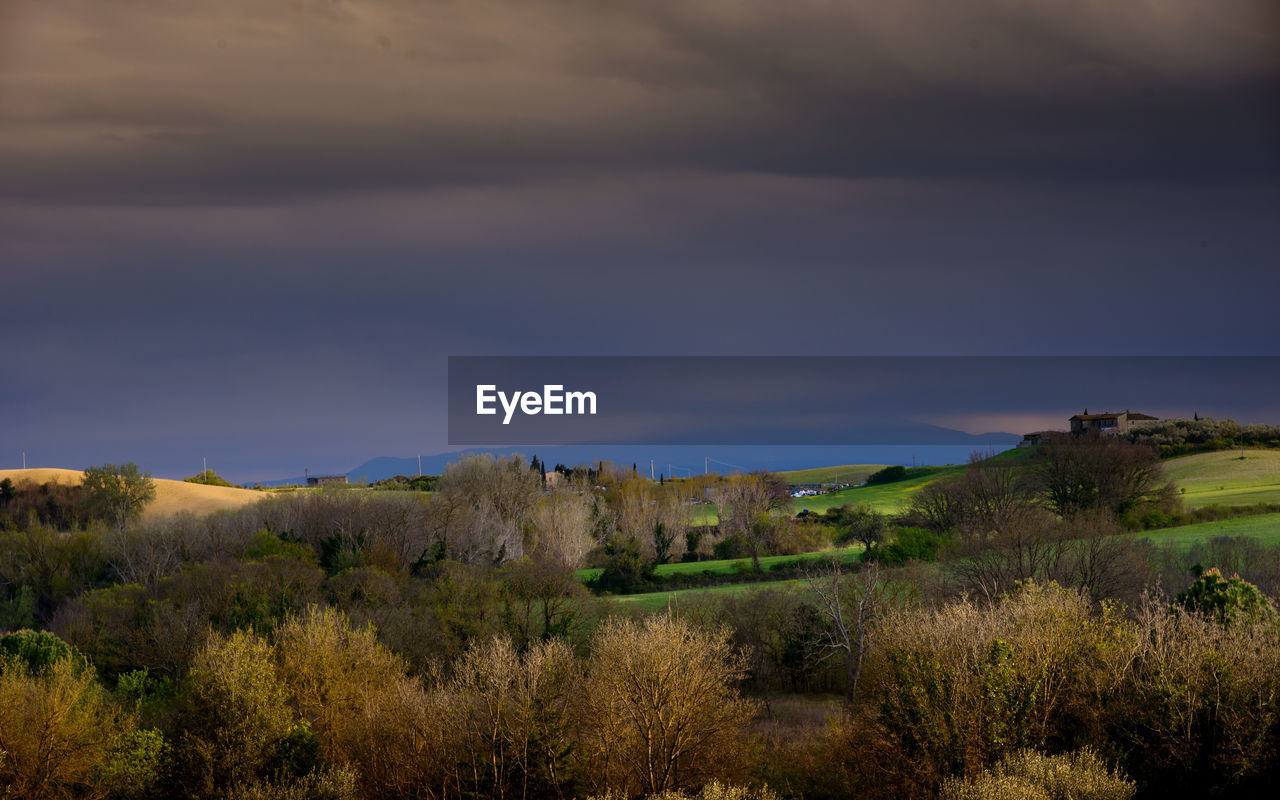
pixel 254 230
pixel 234 102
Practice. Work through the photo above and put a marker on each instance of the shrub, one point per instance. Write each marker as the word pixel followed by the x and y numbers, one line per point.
pixel 1226 599
pixel 209 478
pixel 37 651
pixel 327 784
pixel 911 544
pixel 266 544
pixel 887 475
pixel 1030 775
pixel 236 719
pixel 1196 703
pixel 860 523
pixel 712 791
pixel 62 736
pixel 328 667
pixel 955 689
pixel 626 569
pixel 732 547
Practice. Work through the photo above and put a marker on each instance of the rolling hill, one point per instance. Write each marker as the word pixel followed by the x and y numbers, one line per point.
pixel 171 496
pixel 1227 477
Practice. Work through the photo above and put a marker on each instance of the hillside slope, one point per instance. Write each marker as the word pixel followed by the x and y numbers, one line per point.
pixel 171 496
pixel 1227 477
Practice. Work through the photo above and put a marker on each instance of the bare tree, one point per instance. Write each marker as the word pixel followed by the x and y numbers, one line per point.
pixel 661 708
pixel 560 529
pixel 1082 472
pixel 143 555
pixel 851 603
pixel 504 485
pixel 989 497
pixel 746 503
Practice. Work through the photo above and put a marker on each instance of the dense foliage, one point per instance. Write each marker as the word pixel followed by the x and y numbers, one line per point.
pixel 890 474
pixel 994 641
pixel 209 478
pixel 1176 437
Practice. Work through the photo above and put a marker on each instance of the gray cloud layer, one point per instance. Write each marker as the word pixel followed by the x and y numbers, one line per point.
pixel 162 102
pixel 260 226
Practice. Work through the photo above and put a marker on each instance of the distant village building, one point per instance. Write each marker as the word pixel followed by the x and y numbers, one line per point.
pixel 321 480
pixel 1034 439
pixel 1108 422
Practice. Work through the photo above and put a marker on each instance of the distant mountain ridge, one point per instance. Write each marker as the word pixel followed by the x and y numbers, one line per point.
pixel 935 446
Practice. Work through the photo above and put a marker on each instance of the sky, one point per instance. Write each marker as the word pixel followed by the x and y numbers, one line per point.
pixel 253 231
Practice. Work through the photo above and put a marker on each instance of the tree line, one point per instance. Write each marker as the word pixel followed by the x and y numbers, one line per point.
pixel 352 645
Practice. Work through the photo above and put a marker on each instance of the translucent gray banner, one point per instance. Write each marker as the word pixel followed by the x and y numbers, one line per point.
pixel 854 400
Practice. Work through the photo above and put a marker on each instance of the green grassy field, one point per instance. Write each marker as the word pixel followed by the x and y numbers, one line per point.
pixel 887 498
pixel 730 566
pixel 846 473
pixel 1263 527
pixel 1228 477
pixel 658 601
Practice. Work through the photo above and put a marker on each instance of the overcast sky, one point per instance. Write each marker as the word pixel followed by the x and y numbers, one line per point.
pixel 253 230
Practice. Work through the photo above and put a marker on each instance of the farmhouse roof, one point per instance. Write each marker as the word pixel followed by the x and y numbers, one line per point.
pixel 1132 415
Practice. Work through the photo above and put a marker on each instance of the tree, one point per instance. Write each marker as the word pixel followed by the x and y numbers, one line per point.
pixel 485 503
pixel 209 478
pixel 1226 599
pixel 746 502
pixel 989 497
pixel 540 601
pixel 117 492
pixel 329 667
pixel 511 709
pixel 887 475
pixel 61 734
pixel 850 605
pixel 236 720
pixel 652 514
pixel 37 651
pixel 560 529
pixel 626 569
pixel 860 523
pixel 662 711
pixel 1084 472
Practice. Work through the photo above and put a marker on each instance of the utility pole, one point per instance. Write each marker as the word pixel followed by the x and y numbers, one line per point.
pixel 706 460
pixel 419 464
pixel 205 474
pixel 651 469
pixel 24 459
